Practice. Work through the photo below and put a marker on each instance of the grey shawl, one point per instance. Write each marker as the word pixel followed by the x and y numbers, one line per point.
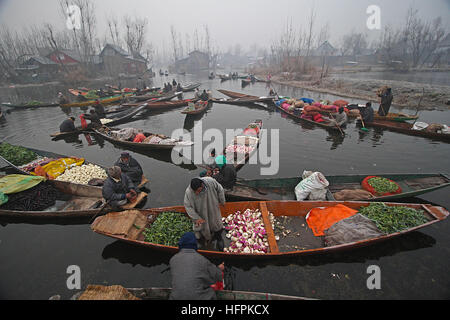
pixel 205 206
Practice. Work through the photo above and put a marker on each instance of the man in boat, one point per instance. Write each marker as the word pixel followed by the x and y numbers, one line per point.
pixel 179 88
pixel 196 94
pixel 225 173
pixel 68 125
pixel 386 97
pixel 201 200
pixel 340 119
pixel 366 112
pixel 204 96
pixel 95 119
pixel 130 167
pixel 192 273
pixel 174 83
pixel 62 99
pixel 99 109
pixel 118 189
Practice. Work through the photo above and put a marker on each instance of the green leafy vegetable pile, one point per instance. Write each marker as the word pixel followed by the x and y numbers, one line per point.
pixel 168 228
pixel 92 94
pixel 390 219
pixel 382 185
pixel 34 103
pixel 16 155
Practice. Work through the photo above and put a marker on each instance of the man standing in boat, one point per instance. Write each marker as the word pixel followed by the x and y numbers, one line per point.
pixel 130 167
pixel 201 200
pixel 366 112
pixel 386 96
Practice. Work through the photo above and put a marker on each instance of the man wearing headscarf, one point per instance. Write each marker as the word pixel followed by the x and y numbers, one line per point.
pixel 201 201
pixel 226 174
pixel 118 188
pixel 192 273
pixel 130 167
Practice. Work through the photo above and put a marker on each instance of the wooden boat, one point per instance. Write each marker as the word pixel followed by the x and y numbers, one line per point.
pixel 106 100
pixel 294 211
pixel 27 106
pixel 326 124
pixel 73 201
pixel 211 76
pixel 166 97
pixel 116 118
pixel 95 191
pixel 407 128
pixel 233 94
pixel 283 188
pixel 224 77
pixel 244 100
pixel 248 140
pixel 246 82
pixel 153 293
pixel 169 104
pixel 200 107
pixel 399 117
pixel 190 87
pixel 105 132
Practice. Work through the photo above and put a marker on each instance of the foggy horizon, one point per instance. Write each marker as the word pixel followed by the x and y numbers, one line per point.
pixel 230 22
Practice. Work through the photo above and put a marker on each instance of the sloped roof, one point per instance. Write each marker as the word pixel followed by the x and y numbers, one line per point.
pixel 118 49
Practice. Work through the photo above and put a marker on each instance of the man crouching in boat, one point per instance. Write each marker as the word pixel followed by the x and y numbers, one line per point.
pixel 225 173
pixel 118 189
pixel 192 273
pixel 130 167
pixel 201 200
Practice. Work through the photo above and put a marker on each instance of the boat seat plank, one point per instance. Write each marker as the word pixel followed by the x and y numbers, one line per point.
pixel 273 246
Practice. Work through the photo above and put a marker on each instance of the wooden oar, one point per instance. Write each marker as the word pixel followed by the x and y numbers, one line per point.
pixel 364 127
pixel 100 211
pixel 342 133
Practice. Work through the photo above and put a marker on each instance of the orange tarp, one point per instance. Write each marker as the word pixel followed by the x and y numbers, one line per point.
pixel 320 219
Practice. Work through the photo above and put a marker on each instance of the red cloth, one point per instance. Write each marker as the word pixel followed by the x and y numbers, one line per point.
pixel 139 137
pixel 320 219
pixel 83 121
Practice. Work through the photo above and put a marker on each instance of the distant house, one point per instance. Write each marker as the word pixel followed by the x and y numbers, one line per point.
pixel 37 64
pixel 118 61
pixel 69 58
pixel 325 49
pixel 195 61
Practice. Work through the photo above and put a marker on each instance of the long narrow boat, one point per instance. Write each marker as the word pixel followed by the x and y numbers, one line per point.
pixel 169 104
pixel 407 128
pixel 74 200
pixel 244 145
pixel 28 106
pixel 301 241
pixel 199 107
pixel 190 87
pixel 113 119
pixel 233 94
pixel 326 124
pixel 152 293
pixel 283 188
pixel 244 100
pixel 63 185
pixel 106 100
pixel 246 82
pixel 166 97
pixel 107 134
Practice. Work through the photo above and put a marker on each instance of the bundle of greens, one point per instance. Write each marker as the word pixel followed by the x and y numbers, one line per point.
pixel 390 219
pixel 168 228
pixel 34 103
pixel 17 155
pixel 382 185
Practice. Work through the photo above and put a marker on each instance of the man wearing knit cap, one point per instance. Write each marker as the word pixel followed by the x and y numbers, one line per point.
pixel 192 273
pixel 130 167
pixel 226 174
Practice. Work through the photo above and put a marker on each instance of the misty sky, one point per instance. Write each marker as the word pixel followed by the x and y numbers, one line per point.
pixel 229 21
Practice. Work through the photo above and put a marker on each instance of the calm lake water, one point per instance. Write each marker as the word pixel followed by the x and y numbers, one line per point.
pixel 34 258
